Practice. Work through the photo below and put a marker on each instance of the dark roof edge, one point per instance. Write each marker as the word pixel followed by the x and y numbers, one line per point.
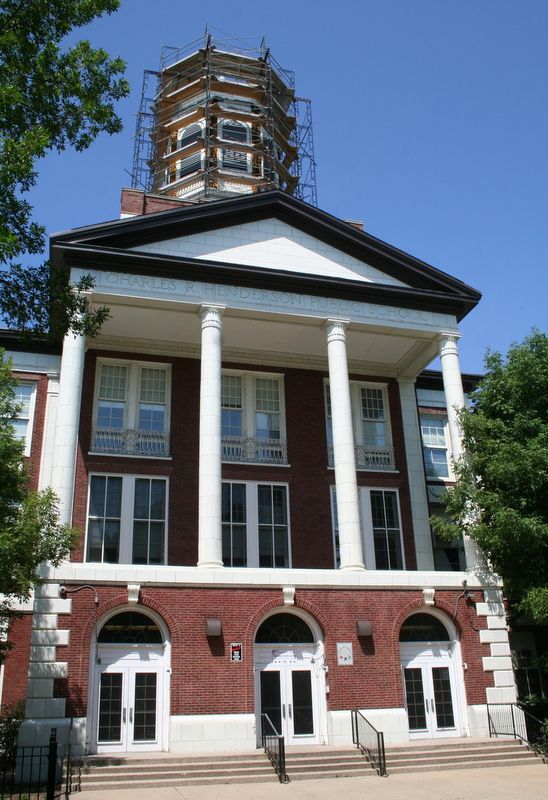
pixel 222 213
pixel 18 342
pixel 432 379
pixel 137 262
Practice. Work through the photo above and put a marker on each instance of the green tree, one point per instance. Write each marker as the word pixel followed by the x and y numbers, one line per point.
pixel 30 532
pixel 501 495
pixel 51 98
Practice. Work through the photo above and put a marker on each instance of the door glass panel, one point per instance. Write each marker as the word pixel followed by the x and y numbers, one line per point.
pixel 110 707
pixel 442 697
pixel 303 719
pixel 144 725
pixel 414 692
pixel 270 697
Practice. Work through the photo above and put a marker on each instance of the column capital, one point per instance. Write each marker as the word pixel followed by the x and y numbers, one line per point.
pixel 447 344
pixel 211 316
pixel 335 329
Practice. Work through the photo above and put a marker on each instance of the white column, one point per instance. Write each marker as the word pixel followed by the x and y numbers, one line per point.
pixel 350 539
pixel 452 386
pixel 454 397
pixel 415 475
pixel 210 543
pixel 67 422
pixel 48 442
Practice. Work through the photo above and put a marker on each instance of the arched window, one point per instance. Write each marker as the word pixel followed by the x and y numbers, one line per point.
pixel 423 628
pixel 130 627
pixel 284 628
pixel 234 131
pixel 189 135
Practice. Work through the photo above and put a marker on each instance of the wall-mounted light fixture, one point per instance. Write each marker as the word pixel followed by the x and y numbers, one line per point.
pixel 364 627
pixel 213 627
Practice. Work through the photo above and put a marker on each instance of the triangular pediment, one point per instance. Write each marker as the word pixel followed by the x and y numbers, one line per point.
pixel 265 239
pixel 271 244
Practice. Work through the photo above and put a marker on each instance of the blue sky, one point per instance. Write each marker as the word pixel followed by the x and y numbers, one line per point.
pixel 430 125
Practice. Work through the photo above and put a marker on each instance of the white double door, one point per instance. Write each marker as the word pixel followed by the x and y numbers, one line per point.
pixel 129 696
pixel 432 691
pixel 287 691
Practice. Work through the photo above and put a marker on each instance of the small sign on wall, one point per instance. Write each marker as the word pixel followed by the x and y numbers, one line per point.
pixel 344 654
pixel 236 651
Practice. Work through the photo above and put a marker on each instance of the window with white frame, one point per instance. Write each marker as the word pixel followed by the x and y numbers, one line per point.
pixel 434 445
pixel 24 396
pixel 127 519
pixel 371 423
pixel 131 409
pixel 234 131
pixel 255 524
pixel 381 528
pixel 252 418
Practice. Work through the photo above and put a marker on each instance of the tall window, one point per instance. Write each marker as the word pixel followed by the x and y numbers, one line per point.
pixel 132 410
pixel 373 417
pixel 24 396
pixel 252 423
pixel 126 519
pixel 188 136
pixel 236 160
pixel 234 512
pixel 255 525
pixel 370 418
pixel 434 443
pixel 386 530
pixel 380 527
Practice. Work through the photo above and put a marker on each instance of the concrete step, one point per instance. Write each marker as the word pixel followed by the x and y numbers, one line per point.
pixel 458 755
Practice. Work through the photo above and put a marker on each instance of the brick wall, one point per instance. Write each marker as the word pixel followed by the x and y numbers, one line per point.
pixel 138 202
pixel 308 476
pixel 205 681
pixel 16 665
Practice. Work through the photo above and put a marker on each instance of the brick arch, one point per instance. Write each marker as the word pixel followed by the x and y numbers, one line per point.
pixel 415 606
pixel 274 604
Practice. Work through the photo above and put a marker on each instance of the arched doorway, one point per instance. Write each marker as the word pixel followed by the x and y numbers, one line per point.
pixel 290 678
pixel 432 676
pixel 129 702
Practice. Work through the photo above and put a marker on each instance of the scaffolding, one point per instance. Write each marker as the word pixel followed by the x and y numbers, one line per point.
pixel 220 119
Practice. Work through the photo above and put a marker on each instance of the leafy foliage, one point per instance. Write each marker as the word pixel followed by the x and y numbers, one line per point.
pixel 11 717
pixel 29 524
pixel 50 99
pixel 501 495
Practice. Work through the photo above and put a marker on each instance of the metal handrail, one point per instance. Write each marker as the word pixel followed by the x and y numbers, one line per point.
pixel 274 747
pixel 511 719
pixel 369 740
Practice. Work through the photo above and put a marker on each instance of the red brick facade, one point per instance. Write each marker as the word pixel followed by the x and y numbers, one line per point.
pixel 373 681
pixel 16 665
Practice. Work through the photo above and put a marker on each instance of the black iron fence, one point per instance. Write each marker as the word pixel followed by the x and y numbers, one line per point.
pixel 509 719
pixel 369 740
pixel 40 772
pixel 274 746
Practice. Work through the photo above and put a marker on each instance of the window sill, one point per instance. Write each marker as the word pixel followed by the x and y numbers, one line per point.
pixel 101 454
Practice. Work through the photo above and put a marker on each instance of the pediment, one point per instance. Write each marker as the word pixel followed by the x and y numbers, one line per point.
pixel 266 239
pixel 271 244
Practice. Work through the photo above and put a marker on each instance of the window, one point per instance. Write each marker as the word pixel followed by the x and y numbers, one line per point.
pixel 255 525
pixel 381 528
pixel 132 410
pixel 188 136
pixel 126 520
pixel 234 131
pixel 24 396
pixel 370 419
pixel 386 530
pixel 252 418
pixel 434 445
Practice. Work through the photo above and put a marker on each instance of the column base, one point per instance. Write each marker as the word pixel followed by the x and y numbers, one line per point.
pixel 352 567
pixel 210 564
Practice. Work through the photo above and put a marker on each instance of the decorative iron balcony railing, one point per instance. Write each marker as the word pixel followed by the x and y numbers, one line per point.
pixel 376 459
pixel 130 442
pixel 252 450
